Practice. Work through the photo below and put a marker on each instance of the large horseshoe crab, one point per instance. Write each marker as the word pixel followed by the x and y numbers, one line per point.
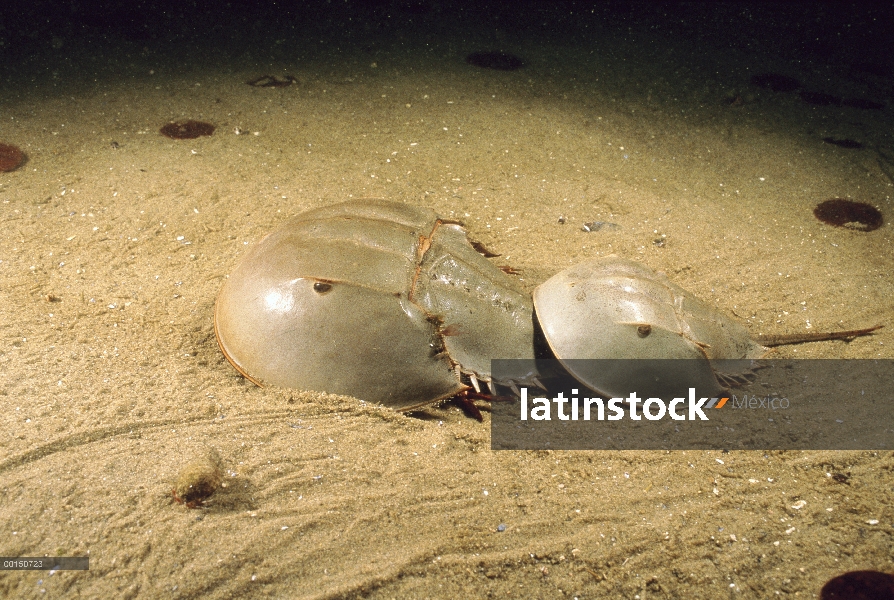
pixel 392 304
pixel 379 300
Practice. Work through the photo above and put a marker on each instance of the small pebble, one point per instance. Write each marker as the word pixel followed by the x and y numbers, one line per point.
pixel 501 527
pixel 199 479
pixel 597 225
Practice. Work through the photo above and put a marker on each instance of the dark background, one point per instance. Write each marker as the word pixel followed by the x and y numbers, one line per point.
pixel 40 35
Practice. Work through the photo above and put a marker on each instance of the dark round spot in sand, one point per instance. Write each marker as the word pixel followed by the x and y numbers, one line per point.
pixel 820 99
pixel 187 130
pixel 859 585
pixel 500 61
pixel 776 82
pixel 843 143
pixel 272 81
pixel 11 158
pixel 863 103
pixel 847 213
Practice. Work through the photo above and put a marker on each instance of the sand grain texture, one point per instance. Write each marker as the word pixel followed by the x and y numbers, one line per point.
pixel 110 377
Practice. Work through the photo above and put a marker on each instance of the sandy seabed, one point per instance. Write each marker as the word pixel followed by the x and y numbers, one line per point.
pixel 115 241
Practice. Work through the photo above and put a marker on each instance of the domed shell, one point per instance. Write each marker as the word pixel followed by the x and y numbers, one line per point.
pixel 374 299
pixel 614 308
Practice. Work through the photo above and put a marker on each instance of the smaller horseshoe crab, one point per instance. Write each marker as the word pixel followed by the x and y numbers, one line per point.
pixel 614 308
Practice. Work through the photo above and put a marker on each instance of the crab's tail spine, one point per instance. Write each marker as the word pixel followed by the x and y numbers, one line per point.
pixel 819 336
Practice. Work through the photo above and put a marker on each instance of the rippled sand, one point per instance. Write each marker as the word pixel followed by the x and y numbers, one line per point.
pixel 116 239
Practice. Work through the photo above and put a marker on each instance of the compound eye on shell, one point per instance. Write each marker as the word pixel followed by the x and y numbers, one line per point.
pixel 321 287
pixel 643 330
